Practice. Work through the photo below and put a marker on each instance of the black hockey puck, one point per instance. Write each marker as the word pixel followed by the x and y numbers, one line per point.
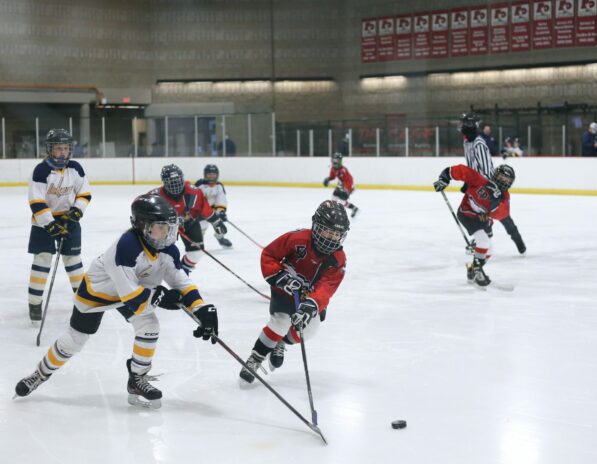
pixel 399 424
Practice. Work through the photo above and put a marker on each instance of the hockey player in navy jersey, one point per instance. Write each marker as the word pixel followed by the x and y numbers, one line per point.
pixel 128 277
pixel 215 193
pixel 58 196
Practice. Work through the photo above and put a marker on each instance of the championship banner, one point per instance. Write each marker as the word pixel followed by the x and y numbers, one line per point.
pixel 564 23
pixel 586 23
pixel 439 34
pixel 404 37
pixel 521 26
pixel 368 40
pixel 543 34
pixel 479 33
pixel 499 30
pixel 386 50
pixel 459 32
pixel 422 36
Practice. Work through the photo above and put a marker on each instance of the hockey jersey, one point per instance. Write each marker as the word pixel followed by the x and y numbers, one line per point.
pixel 321 274
pixel 52 192
pixel 214 192
pixel 478 156
pixel 343 176
pixel 128 272
pixel 482 197
pixel 191 204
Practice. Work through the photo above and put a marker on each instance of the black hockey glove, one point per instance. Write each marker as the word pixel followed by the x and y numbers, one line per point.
pixel 443 181
pixel 326 181
pixel 166 298
pixel 74 214
pixel 218 224
pixel 208 318
pixel 57 229
pixel 306 311
pixel 286 282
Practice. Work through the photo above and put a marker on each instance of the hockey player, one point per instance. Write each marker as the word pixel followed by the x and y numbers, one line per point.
pixel 191 205
pixel 478 157
pixel 482 201
pixel 308 261
pixel 127 277
pixel 345 185
pixel 58 197
pixel 215 193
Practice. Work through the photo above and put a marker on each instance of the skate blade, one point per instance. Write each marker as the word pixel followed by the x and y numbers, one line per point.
pixel 244 385
pixel 134 400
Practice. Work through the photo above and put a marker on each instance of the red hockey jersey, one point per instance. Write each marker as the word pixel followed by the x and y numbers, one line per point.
pixel 293 252
pixel 479 199
pixel 191 204
pixel 343 176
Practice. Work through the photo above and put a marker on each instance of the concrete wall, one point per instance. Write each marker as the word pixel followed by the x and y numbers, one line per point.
pixel 534 175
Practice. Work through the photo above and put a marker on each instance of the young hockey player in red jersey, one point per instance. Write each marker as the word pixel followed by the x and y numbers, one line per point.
pixel 483 200
pixel 191 205
pixel 310 262
pixel 345 185
pixel 128 277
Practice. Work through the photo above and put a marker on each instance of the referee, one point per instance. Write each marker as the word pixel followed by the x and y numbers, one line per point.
pixel 478 157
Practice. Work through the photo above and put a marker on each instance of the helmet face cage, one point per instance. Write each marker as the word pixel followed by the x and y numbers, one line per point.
pixel 159 243
pixel 213 170
pixel 503 176
pixel 173 179
pixel 469 124
pixel 54 138
pixel 330 226
pixel 326 239
pixel 337 160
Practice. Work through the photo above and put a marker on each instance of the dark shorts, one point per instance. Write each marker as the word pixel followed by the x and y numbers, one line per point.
pixel 341 193
pixel 472 225
pixel 282 303
pixel 192 229
pixel 42 242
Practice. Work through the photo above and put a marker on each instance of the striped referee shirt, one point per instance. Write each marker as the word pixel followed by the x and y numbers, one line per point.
pixel 478 157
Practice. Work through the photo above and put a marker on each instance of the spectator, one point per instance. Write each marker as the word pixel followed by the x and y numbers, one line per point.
pixel 230 147
pixel 489 140
pixel 512 148
pixel 589 141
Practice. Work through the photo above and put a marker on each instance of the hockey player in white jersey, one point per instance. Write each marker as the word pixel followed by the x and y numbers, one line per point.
pixel 58 196
pixel 128 277
pixel 215 193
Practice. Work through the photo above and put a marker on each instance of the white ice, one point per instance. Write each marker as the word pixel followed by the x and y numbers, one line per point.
pixel 481 377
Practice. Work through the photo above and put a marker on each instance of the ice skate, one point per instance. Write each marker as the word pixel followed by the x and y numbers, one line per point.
pixel 30 383
pixel 141 392
pixel 224 242
pixel 246 377
pixel 276 357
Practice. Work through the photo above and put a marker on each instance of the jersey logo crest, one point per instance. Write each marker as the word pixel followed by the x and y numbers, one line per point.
pixel 301 251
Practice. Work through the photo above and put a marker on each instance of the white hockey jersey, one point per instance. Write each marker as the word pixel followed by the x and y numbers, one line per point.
pixel 52 192
pixel 214 192
pixel 128 272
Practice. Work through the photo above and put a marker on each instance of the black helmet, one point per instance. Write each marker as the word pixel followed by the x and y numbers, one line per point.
pixel 469 125
pixel 337 160
pixel 58 137
pixel 148 210
pixel 211 169
pixel 173 180
pixel 330 226
pixel 503 176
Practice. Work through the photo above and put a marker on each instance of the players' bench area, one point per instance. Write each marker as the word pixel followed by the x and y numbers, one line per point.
pixel 553 175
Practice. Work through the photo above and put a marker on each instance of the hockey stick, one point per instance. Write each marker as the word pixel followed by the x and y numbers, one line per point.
pixel 224 266
pixel 304 353
pixel 239 229
pixel 219 341
pixel 45 312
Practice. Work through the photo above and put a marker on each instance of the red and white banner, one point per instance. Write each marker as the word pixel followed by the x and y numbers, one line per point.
pixel 586 23
pixel 459 32
pixel 521 26
pixel 386 50
pixel 439 34
pixel 479 18
pixel 543 35
pixel 422 36
pixel 564 23
pixel 499 30
pixel 404 37
pixel 369 40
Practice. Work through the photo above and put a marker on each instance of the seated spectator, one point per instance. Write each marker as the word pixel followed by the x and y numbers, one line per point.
pixel 589 141
pixel 512 148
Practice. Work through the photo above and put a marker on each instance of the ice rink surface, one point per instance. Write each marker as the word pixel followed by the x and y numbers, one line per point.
pixel 481 377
